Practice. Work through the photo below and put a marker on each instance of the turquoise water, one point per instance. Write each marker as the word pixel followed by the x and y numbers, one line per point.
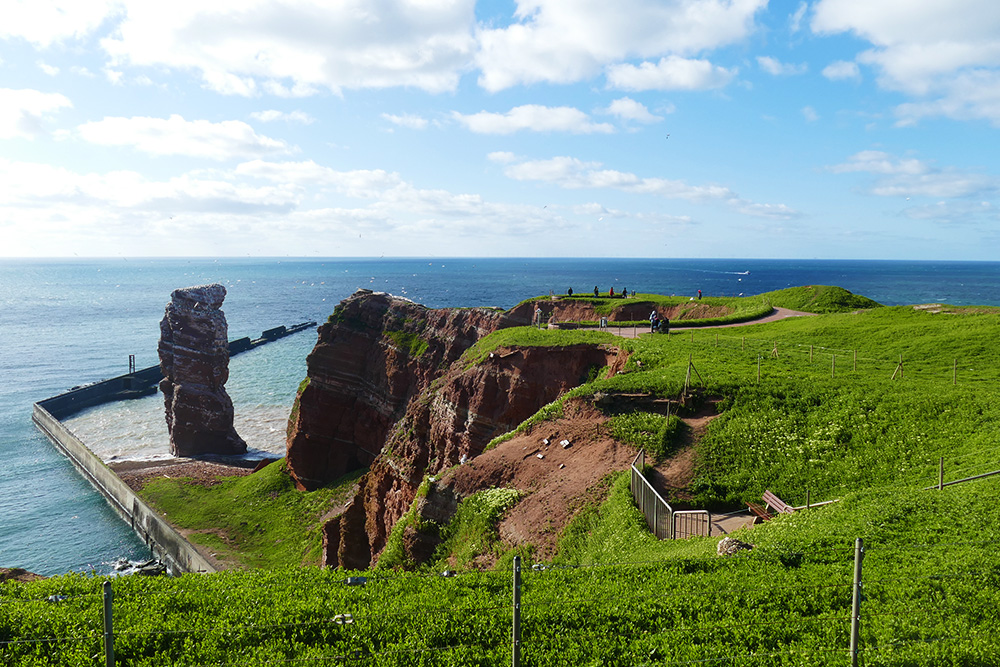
pixel 65 323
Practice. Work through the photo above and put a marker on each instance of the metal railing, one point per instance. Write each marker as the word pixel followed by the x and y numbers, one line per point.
pixel 664 521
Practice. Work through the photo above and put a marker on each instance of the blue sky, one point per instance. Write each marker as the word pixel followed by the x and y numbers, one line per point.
pixel 634 128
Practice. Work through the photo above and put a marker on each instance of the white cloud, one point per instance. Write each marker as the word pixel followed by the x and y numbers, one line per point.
pixel 562 42
pixel 628 109
pixel 532 117
pixel 928 50
pixel 670 73
pixel 406 120
pixel 880 162
pixel 777 68
pixel 910 177
pixel 45 22
pixel 23 112
pixel 795 20
pixel 51 70
pixel 954 212
pixel 177 136
pixel 272 115
pixel 501 157
pixel 240 47
pixel 810 114
pixel 572 173
pixel 841 69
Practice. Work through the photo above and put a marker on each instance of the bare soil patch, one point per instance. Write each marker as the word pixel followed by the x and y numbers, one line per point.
pixel 18 574
pixel 136 474
pixel 672 476
pixel 556 478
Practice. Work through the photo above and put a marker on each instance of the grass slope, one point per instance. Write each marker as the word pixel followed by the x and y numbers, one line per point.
pixel 259 520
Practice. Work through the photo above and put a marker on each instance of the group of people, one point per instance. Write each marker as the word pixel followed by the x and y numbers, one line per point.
pixel 611 292
pixel 656 323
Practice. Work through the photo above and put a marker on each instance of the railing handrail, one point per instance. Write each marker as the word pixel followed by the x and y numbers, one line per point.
pixel 646 482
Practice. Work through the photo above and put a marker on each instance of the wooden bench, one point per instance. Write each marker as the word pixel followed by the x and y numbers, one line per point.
pixel 776 503
pixel 771 502
pixel 761 512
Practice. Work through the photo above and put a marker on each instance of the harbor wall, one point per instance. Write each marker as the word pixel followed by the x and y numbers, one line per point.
pixel 169 546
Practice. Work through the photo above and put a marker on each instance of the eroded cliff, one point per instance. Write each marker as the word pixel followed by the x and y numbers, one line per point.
pixel 373 356
pixel 384 391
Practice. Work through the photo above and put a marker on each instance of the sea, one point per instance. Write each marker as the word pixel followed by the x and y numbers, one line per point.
pixel 65 323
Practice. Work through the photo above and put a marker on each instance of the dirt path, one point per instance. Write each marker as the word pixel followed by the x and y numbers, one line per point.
pixel 636 331
pixel 671 478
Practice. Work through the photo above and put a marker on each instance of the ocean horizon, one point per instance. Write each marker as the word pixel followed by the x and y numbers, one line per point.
pixel 70 322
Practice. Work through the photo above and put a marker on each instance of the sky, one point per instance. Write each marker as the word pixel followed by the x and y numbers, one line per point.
pixel 853 129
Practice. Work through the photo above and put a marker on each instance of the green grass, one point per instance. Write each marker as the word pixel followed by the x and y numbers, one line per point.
pixel 819 299
pixel 654 433
pixel 534 337
pixel 259 520
pixel 410 343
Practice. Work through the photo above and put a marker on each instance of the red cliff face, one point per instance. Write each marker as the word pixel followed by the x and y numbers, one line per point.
pixel 375 354
pixel 447 425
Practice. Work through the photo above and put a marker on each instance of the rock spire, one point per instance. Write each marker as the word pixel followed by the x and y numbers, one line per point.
pixel 194 359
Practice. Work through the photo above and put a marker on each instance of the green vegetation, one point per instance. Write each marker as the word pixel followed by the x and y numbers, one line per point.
pixel 410 343
pixel 394 555
pixel 819 299
pixel 534 337
pixel 857 407
pixel 472 531
pixel 254 521
pixel 654 433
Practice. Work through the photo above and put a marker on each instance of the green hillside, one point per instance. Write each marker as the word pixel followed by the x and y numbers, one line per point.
pixel 859 406
pixel 819 299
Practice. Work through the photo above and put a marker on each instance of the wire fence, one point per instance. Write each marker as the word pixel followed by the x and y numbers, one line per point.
pixel 828 361
pixel 748 610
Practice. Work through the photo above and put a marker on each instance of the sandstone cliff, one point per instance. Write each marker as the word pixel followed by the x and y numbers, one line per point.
pixel 194 359
pixel 373 356
pixel 383 391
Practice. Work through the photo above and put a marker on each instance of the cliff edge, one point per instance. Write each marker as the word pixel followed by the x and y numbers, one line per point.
pixel 383 391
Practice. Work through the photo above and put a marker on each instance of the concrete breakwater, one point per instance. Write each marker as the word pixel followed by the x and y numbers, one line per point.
pixel 165 542
pixel 139 383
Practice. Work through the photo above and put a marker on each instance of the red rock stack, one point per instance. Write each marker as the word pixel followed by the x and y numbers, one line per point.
pixel 194 359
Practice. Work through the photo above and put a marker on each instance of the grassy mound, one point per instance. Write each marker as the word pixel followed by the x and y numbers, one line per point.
pixel 819 299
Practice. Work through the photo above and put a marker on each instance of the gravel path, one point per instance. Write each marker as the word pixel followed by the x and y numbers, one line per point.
pixel 636 331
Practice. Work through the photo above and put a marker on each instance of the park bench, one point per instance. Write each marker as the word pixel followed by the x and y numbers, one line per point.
pixel 771 502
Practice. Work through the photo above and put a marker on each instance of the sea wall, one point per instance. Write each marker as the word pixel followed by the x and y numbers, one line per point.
pixel 167 544
pixel 143 382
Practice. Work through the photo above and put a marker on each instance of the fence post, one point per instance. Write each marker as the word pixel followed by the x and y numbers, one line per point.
pixel 859 553
pixel 855 360
pixel 109 634
pixel 516 631
pixel 941 474
pixel 810 354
